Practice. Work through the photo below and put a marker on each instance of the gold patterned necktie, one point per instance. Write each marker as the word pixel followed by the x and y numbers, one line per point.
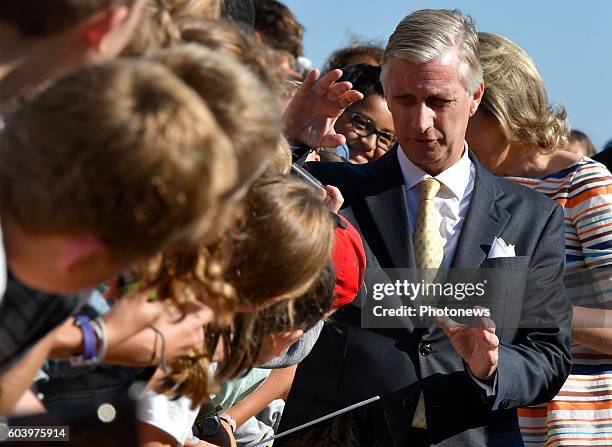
pixel 428 252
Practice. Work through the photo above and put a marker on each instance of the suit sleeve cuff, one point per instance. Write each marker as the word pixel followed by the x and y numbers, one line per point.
pixel 489 389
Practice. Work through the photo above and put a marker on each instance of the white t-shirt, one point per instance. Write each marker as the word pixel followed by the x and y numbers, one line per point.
pixel 175 417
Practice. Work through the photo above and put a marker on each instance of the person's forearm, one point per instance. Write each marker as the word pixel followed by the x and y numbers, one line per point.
pixel 276 386
pixel 68 340
pixel 139 350
pixel 591 328
pixel 18 379
pixel 28 403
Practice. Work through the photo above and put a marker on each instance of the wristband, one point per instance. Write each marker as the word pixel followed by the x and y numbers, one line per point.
pixel 230 421
pixel 163 364
pixel 100 327
pixel 88 356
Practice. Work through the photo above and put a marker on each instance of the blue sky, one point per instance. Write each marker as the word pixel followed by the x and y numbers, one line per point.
pixel 569 40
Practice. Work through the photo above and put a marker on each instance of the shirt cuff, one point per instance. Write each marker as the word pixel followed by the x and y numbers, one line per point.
pixel 491 390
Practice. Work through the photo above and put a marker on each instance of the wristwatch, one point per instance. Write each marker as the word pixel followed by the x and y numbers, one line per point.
pixel 230 421
pixel 209 426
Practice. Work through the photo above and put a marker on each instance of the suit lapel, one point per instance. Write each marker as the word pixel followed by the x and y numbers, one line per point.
pixel 485 220
pixel 385 199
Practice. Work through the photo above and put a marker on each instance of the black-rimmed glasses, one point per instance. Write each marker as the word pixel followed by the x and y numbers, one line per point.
pixel 364 128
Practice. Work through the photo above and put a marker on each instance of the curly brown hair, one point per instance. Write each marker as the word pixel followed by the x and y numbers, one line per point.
pixel 276 250
pixel 278 27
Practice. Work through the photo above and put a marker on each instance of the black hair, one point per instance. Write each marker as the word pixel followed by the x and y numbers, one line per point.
pixel 365 79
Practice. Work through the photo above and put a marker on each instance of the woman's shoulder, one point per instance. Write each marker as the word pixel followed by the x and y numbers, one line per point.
pixel 582 170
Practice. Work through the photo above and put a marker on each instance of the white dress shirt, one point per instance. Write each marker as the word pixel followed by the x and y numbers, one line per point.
pixel 451 202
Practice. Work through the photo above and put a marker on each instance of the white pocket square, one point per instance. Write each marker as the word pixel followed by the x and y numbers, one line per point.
pixel 499 249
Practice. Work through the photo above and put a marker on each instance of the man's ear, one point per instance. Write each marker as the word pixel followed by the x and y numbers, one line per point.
pixel 98 26
pixel 476 98
pixel 284 339
pixel 79 249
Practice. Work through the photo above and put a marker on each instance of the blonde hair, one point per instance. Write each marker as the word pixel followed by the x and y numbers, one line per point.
pixel 125 151
pixel 428 34
pixel 229 39
pixel 158 27
pixel 282 159
pixel 515 95
pixel 243 106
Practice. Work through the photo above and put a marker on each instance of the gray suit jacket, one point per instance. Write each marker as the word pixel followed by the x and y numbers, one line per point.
pixel 530 308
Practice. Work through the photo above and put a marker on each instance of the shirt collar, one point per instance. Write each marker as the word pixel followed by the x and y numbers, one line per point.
pixel 456 178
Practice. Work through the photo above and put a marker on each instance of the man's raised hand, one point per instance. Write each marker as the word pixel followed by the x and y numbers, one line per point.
pixel 310 116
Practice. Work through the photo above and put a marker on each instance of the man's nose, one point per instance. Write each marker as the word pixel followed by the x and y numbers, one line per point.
pixel 422 118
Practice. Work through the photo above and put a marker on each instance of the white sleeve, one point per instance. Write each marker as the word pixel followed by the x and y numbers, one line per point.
pixel 175 417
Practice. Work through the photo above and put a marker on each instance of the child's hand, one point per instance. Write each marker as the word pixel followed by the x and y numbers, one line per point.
pixel 129 315
pixel 332 198
pixel 183 332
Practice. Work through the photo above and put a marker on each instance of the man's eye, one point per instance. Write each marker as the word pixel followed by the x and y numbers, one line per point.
pixel 438 102
pixel 406 100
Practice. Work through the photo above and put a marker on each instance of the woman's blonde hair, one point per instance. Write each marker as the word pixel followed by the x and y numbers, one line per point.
pixel 125 151
pixel 515 95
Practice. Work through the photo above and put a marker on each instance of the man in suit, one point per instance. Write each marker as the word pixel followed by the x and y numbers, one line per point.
pixel 440 384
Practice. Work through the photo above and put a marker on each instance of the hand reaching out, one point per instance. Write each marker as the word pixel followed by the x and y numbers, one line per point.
pixel 332 198
pixel 310 116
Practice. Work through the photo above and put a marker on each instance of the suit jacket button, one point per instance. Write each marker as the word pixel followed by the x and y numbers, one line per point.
pixel 425 349
pixel 504 404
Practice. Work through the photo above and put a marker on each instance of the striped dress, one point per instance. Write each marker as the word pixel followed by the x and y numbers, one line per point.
pixel 581 414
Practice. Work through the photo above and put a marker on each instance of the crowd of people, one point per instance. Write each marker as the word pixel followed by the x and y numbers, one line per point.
pixel 193 220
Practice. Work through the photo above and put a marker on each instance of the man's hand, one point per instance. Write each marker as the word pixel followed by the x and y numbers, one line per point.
pixel 476 344
pixel 310 116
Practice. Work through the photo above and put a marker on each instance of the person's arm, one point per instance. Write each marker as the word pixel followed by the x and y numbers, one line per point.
pixel 28 403
pixel 533 368
pixel 144 348
pixel 18 379
pixel 151 436
pixel 591 328
pixel 591 214
pixel 275 386
pixel 128 316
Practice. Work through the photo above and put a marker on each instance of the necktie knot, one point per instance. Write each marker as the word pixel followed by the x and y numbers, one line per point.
pixel 429 188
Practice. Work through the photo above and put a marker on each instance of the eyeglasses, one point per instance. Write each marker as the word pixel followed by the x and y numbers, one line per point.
pixel 365 127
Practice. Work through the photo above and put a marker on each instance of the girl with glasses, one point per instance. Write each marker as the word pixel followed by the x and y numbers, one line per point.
pixel 367 124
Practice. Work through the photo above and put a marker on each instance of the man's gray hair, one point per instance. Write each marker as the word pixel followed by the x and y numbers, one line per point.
pixel 428 34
